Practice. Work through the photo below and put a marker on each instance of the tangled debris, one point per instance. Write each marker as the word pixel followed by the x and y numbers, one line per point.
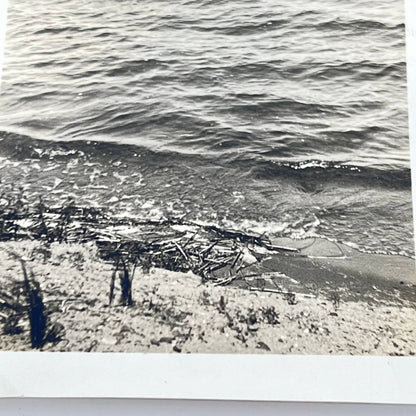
pixel 176 244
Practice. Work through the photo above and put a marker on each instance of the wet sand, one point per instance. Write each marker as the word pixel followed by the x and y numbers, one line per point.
pixel 326 266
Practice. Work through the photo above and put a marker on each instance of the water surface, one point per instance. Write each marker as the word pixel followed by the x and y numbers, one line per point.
pixel 285 117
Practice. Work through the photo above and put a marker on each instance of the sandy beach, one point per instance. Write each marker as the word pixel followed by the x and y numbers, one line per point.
pixel 175 312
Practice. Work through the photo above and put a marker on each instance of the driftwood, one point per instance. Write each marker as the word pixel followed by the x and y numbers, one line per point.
pixel 214 253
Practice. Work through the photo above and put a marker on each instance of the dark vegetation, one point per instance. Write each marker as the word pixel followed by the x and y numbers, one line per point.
pixel 246 323
pixel 24 298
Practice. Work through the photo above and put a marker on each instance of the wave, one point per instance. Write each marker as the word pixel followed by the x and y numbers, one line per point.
pixel 363 71
pixel 129 67
pixel 353 25
pixel 245 29
pixel 284 104
pixel 319 171
pixel 306 172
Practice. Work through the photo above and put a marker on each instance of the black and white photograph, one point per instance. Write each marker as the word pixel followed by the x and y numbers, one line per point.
pixel 206 176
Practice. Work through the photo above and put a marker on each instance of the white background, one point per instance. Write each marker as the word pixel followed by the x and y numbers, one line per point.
pixel 285 378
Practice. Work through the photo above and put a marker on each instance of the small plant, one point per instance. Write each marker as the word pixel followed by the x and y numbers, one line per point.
pixel 112 285
pixel 32 304
pixel 290 298
pixel 252 317
pixel 146 263
pixel 67 212
pixel 125 267
pixel 36 308
pixel 56 333
pixel 41 227
pixel 222 304
pixel 270 315
pixel 125 281
pixel 11 326
pixel 204 298
pixel 335 298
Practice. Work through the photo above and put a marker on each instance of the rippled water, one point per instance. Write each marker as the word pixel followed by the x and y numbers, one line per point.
pixel 282 116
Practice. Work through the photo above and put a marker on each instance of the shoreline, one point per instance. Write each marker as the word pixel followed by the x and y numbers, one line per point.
pixel 175 312
pixel 135 183
pixel 174 285
pixel 218 254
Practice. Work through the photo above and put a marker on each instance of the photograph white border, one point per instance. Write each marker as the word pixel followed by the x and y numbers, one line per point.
pixel 381 380
pixel 307 378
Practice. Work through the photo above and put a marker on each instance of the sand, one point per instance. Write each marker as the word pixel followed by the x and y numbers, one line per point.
pixel 173 312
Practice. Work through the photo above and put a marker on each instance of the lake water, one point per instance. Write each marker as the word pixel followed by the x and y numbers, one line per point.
pixel 285 116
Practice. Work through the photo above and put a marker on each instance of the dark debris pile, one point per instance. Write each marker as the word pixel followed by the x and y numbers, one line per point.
pixel 176 244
